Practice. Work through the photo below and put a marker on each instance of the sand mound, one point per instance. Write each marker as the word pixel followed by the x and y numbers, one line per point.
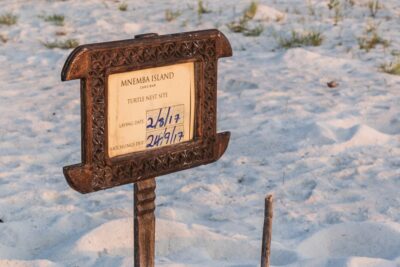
pixel 371 240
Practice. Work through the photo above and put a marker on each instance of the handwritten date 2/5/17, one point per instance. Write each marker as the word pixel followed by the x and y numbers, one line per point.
pixel 170 135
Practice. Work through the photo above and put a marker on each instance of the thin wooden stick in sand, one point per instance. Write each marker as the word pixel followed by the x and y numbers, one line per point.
pixel 267 232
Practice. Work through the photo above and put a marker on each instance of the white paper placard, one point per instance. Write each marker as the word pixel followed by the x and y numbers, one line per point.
pixel 150 108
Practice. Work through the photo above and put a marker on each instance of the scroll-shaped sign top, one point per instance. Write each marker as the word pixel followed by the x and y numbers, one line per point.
pixel 148 107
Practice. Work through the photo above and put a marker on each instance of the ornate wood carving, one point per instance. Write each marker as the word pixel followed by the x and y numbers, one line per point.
pixel 93 63
pixel 145 222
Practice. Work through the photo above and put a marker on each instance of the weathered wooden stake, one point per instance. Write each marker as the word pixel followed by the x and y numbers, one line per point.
pixel 267 232
pixel 112 156
pixel 144 223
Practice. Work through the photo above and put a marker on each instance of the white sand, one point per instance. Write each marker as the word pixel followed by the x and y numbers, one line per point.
pixel 331 156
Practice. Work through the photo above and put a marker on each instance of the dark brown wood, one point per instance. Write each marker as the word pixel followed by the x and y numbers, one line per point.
pixel 94 62
pixel 144 222
pixel 267 232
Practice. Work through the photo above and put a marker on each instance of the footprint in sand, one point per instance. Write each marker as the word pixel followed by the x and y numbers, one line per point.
pixel 302 192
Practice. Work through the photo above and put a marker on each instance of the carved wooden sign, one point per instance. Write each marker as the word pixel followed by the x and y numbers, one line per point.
pixel 148 107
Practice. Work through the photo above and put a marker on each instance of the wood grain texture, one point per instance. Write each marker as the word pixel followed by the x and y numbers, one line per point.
pixel 144 223
pixel 267 232
pixel 94 62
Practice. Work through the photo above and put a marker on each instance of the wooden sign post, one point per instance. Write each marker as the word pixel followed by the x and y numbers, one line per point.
pixel 148 108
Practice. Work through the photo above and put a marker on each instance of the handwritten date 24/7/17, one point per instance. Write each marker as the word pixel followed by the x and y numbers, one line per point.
pixel 165 126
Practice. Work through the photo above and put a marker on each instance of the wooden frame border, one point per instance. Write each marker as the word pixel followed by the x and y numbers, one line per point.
pixel 92 64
